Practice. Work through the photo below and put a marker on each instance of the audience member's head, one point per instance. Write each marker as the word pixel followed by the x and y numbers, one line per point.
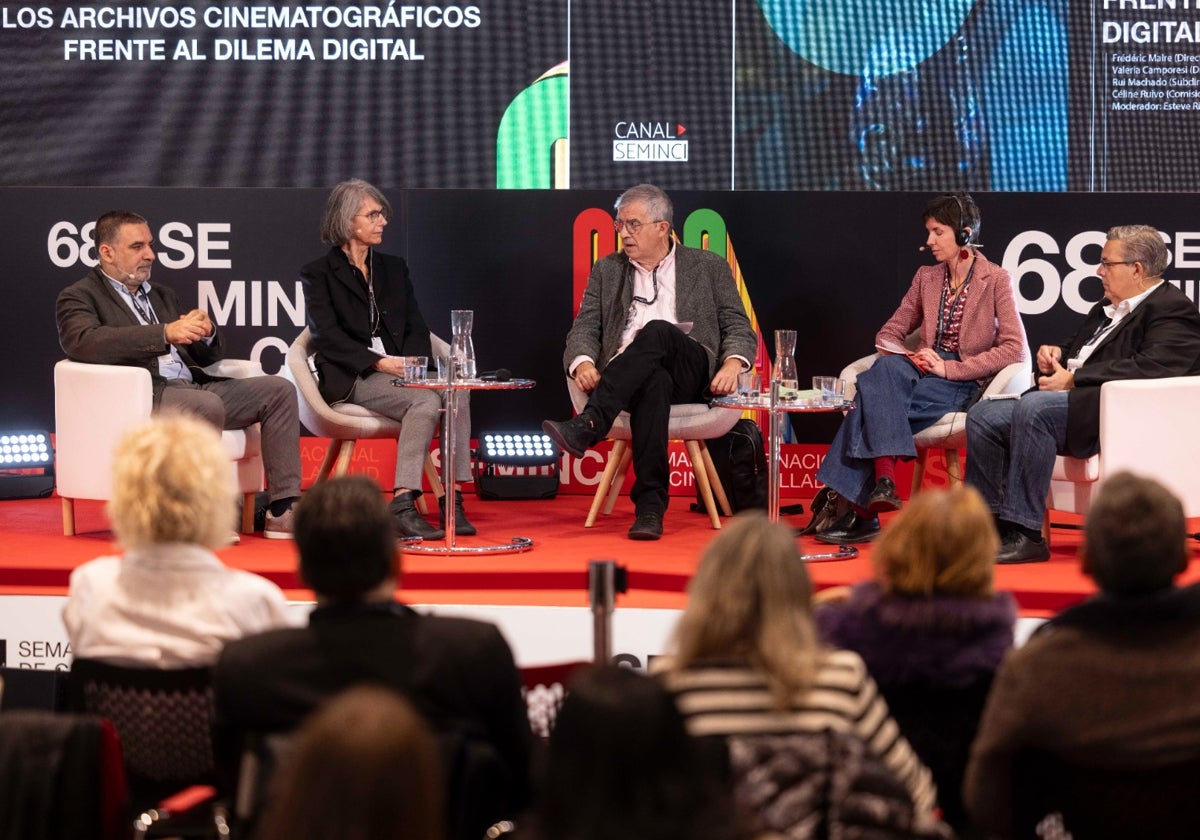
pixel 344 535
pixel 1135 538
pixel 944 542
pixel 365 767
pixel 172 483
pixel 750 602
pixel 621 764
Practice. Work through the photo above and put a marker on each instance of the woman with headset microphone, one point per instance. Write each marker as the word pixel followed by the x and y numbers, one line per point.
pixel 965 309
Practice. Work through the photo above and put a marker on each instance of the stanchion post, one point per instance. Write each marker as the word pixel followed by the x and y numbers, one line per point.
pixel 605 580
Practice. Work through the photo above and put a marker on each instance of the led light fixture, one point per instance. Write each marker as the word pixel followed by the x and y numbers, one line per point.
pixel 26 465
pixel 516 465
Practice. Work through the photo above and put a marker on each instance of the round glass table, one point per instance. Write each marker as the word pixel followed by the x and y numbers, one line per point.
pixel 451 388
pixel 776 407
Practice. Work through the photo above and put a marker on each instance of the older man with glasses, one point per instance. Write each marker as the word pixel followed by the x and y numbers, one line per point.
pixel 659 324
pixel 1142 329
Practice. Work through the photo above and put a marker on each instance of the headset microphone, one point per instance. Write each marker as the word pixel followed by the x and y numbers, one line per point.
pixel 923 248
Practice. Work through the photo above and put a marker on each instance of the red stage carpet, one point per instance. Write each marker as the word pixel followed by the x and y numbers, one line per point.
pixel 36 559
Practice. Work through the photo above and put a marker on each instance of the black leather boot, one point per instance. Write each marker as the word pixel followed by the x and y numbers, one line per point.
pixel 462 528
pixel 408 521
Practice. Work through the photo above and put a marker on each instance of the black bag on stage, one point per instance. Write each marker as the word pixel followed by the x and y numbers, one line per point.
pixel 741 461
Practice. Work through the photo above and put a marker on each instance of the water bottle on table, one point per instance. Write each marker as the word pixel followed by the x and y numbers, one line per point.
pixel 462 349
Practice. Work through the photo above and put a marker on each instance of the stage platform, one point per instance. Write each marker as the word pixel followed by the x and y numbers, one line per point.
pixel 35 558
pixel 538 598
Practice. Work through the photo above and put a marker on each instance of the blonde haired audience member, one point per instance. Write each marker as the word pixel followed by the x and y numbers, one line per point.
pixel 747 660
pixel 930 628
pixel 168 601
pixel 365 767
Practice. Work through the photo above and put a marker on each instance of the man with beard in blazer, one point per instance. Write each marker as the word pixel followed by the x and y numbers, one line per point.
pixel 458 673
pixel 1144 328
pixel 116 316
pixel 659 324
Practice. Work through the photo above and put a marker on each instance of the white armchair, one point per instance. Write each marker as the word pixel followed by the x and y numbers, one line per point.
pixel 346 423
pixel 948 434
pixel 95 404
pixel 1146 428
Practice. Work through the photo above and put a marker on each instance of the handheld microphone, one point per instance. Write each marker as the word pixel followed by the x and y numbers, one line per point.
pixel 498 375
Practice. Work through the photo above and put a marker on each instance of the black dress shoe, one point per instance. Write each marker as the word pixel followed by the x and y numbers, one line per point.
pixel 408 522
pixel 462 527
pixel 575 435
pixel 826 510
pixel 851 528
pixel 883 497
pixel 647 526
pixel 1021 548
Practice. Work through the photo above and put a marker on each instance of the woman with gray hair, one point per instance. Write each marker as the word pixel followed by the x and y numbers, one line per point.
pixel 363 315
pixel 168 601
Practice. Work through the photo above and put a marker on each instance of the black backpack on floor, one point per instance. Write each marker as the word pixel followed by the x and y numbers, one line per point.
pixel 741 461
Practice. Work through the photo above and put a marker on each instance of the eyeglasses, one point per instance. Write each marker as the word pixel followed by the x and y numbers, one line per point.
pixel 373 217
pixel 632 225
pixel 1111 263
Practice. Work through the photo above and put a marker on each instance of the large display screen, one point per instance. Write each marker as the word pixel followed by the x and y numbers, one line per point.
pixel 1029 95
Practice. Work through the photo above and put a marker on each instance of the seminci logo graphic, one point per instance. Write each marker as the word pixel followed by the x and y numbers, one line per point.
pixel 661 141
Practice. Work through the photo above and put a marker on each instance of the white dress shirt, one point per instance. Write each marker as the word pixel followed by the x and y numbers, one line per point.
pixel 172 605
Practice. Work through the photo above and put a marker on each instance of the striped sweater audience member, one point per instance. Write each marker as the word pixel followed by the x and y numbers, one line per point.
pixel 747 660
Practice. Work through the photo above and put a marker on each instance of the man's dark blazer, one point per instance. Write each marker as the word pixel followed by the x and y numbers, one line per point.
pixel 705 294
pixel 96 326
pixel 458 673
pixel 338 311
pixel 1160 338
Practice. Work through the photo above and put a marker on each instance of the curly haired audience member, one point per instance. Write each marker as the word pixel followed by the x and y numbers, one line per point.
pixel 168 601
pixel 930 628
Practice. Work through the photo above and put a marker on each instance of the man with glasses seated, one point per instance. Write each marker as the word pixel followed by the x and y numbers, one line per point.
pixel 116 316
pixel 659 324
pixel 1142 329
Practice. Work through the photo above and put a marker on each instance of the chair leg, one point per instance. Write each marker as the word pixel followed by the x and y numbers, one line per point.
pixel 1046 526
pixel 701 474
pixel 606 478
pixel 68 517
pixel 344 456
pixel 614 490
pixel 248 513
pixel 919 471
pixel 953 467
pixel 331 453
pixel 714 480
pixel 435 481
pixel 435 486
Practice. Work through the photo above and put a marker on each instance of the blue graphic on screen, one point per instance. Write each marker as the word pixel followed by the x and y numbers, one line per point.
pixel 903 95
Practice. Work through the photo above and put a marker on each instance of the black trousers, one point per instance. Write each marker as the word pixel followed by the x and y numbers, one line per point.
pixel 661 366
